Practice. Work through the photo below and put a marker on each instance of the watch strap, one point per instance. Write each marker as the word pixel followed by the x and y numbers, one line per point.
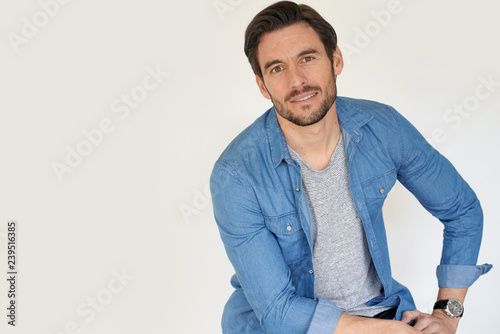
pixel 440 304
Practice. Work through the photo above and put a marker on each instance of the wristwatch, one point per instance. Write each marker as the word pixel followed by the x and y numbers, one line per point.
pixel 452 307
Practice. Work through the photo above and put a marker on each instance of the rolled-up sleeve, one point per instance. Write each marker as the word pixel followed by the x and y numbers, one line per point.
pixel 460 276
pixel 325 318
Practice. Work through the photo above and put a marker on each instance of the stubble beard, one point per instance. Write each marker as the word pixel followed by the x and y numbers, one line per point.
pixel 310 116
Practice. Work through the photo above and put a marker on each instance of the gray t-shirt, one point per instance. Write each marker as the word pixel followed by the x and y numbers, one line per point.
pixel 343 267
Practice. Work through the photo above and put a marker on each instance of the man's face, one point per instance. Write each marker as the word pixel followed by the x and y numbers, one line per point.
pixel 297 74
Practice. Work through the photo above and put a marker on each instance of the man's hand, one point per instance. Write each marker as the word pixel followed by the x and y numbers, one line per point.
pixel 438 322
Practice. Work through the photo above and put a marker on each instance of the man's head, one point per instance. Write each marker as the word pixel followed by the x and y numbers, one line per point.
pixel 280 15
pixel 293 52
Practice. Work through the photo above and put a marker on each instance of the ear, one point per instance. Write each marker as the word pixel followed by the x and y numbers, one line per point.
pixel 262 87
pixel 338 61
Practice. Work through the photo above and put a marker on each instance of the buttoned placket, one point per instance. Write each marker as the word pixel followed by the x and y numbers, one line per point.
pixel 299 199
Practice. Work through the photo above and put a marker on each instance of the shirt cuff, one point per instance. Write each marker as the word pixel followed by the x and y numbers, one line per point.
pixel 460 276
pixel 325 318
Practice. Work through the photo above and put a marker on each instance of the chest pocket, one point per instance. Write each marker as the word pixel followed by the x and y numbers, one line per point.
pixel 376 190
pixel 290 236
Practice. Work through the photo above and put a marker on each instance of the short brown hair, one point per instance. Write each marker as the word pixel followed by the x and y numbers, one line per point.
pixel 280 15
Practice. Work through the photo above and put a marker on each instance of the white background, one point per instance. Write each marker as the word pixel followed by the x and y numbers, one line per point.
pixel 137 202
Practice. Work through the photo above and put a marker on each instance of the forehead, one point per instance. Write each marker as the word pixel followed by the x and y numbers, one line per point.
pixel 288 42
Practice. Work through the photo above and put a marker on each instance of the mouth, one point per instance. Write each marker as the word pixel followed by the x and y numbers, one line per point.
pixel 305 98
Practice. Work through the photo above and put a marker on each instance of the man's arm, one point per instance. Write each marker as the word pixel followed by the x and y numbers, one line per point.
pixel 350 324
pixel 442 191
pixel 259 263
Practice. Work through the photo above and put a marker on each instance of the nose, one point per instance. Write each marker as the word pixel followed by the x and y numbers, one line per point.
pixel 296 77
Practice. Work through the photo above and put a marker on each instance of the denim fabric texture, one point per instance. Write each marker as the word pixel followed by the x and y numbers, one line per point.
pixel 266 225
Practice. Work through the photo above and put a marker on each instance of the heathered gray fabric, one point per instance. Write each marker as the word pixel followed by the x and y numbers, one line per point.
pixel 343 268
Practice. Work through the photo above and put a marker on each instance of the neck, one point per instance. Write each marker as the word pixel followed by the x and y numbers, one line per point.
pixel 314 143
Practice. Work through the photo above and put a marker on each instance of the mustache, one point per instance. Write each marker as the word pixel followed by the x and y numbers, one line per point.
pixel 304 89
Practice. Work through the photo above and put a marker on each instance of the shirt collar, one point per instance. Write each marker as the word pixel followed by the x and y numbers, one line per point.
pixel 351 118
pixel 277 142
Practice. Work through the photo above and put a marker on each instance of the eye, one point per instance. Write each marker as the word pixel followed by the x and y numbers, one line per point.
pixel 307 59
pixel 277 69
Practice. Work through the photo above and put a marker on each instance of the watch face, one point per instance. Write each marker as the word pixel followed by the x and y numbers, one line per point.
pixel 454 307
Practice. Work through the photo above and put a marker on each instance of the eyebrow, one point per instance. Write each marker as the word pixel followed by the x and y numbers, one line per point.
pixel 300 54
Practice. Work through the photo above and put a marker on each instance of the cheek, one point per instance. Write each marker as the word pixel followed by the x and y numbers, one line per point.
pixel 275 90
pixel 326 77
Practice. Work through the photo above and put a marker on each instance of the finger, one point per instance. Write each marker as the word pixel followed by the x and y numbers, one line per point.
pixel 410 315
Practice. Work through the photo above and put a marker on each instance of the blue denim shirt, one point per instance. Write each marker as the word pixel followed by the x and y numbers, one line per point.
pixel 266 225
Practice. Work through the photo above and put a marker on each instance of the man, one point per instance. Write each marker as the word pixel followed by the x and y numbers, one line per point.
pixel 298 198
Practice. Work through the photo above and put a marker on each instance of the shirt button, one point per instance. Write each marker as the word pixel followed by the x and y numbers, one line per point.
pixel 382 190
pixel 297 189
pixel 310 271
pixel 289 228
